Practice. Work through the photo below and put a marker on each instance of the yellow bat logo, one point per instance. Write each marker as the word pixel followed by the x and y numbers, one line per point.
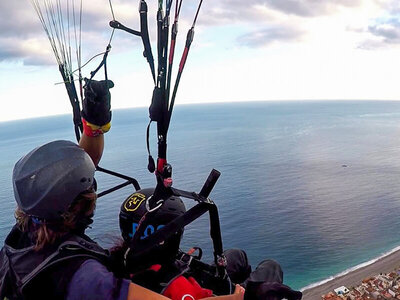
pixel 134 201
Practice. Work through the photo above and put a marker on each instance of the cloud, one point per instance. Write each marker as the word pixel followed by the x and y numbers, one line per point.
pixel 388 31
pixel 311 8
pixel 232 11
pixel 270 35
pixel 265 11
pixel 17 18
pixel 22 38
pixel 19 21
pixel 383 33
pixel 391 6
pixel 29 51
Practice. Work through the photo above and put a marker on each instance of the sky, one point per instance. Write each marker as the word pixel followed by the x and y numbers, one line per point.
pixel 247 50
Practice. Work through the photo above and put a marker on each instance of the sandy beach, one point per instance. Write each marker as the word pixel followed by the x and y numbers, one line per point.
pixel 383 265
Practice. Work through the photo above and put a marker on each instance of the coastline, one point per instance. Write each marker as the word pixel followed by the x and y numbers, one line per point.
pixel 383 264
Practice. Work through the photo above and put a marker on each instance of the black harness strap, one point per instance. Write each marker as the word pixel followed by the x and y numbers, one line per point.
pixel 73 98
pixel 145 37
pixel 143 33
pixel 117 25
pixel 102 63
pixel 141 247
pixel 161 109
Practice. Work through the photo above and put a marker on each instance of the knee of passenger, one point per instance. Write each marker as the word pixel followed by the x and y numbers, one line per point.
pixel 270 263
pixel 271 267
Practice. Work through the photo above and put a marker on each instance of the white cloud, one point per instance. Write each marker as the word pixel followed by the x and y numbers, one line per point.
pixel 266 36
pixel 96 15
pixel 307 51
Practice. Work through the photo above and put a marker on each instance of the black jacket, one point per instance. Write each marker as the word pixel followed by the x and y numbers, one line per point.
pixel 45 274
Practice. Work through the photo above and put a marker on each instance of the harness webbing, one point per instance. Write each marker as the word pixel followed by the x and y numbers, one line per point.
pixel 145 37
pixel 73 98
pixel 160 111
pixel 141 247
pixel 161 107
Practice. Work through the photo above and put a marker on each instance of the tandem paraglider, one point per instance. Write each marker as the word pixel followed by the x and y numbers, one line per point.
pixel 47 254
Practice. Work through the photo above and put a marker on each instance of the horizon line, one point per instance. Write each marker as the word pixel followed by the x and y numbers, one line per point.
pixel 207 102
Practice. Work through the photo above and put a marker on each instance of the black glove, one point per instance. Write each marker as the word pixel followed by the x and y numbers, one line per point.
pixel 96 107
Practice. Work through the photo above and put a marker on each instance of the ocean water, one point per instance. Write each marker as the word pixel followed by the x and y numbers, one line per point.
pixel 313 185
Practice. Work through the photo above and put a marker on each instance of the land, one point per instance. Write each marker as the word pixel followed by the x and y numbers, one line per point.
pixel 355 278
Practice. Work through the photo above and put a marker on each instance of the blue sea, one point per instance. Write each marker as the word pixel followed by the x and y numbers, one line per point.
pixel 313 185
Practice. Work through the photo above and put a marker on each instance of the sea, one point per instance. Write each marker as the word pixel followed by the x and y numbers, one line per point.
pixel 313 185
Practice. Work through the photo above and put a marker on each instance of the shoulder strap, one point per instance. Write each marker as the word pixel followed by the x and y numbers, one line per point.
pixel 5 280
pixel 75 247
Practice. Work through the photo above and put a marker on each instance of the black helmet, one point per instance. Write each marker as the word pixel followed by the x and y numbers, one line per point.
pixel 50 177
pixel 132 210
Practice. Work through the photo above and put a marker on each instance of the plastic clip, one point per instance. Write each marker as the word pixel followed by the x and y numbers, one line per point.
pixel 159 204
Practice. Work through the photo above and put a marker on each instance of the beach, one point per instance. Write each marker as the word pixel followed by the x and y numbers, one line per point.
pixel 354 278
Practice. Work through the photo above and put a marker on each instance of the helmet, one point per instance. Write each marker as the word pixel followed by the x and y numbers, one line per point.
pixel 133 209
pixel 50 177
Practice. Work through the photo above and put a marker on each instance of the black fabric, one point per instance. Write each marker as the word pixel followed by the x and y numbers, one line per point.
pixel 43 274
pixel 266 283
pixel 157 281
pixel 238 267
pixel 267 270
pixel 145 246
pixel 156 109
pixel 146 38
pixel 96 106
pixel 270 291
pixel 53 283
pixel 5 280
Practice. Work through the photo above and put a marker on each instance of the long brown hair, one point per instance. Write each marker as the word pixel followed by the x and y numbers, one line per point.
pixel 46 233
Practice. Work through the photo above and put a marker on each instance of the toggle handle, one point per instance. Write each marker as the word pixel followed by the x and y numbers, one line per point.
pixel 210 183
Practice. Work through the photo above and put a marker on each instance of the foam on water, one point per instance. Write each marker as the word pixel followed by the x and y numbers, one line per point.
pixel 347 271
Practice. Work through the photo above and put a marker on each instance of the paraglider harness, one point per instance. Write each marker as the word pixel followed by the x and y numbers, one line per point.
pixel 160 111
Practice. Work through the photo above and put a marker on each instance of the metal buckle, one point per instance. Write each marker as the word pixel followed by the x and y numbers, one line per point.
pixel 221 261
pixel 186 258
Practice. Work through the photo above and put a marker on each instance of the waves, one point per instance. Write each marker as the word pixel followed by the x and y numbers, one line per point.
pixel 378 115
pixel 352 269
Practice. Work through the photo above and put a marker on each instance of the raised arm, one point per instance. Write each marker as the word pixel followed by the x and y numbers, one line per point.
pixel 94 146
pixel 96 117
pixel 136 292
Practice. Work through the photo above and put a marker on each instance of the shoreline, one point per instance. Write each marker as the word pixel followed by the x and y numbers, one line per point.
pixel 383 264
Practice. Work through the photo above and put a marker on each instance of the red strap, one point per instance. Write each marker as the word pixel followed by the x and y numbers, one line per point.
pixel 160 164
pixel 155 268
